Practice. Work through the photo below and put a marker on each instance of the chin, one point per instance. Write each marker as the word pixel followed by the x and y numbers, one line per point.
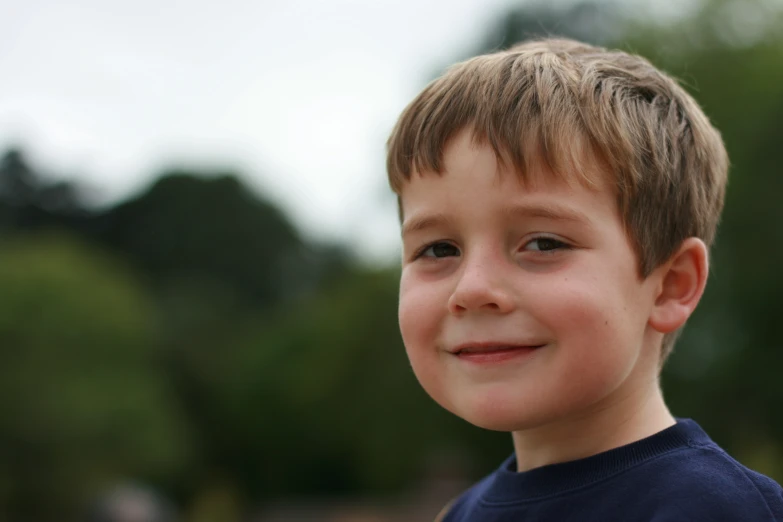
pixel 497 416
pixel 494 424
pixel 495 406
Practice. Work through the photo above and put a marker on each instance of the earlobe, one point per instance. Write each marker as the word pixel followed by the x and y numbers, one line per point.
pixel 682 284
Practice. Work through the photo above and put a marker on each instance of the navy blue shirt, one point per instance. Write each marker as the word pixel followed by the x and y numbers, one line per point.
pixel 676 475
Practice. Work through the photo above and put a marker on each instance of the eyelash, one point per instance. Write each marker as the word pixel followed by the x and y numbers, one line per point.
pixel 559 245
pixel 428 246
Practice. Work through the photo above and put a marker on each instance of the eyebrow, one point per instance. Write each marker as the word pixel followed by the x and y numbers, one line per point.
pixel 550 212
pixel 419 223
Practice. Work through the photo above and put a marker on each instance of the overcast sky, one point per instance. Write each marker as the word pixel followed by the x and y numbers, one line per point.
pixel 299 95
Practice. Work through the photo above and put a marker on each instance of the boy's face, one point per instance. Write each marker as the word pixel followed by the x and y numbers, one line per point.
pixel 520 304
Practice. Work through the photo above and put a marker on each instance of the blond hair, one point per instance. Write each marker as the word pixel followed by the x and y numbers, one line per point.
pixel 538 99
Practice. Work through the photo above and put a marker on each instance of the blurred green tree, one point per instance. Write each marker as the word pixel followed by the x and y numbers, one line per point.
pixel 82 400
pixel 218 257
pixel 28 201
pixel 208 228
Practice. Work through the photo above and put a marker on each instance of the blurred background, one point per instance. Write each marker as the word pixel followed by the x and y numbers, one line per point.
pixel 198 251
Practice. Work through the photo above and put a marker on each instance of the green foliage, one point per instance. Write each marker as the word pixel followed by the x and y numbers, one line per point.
pixel 82 402
pixel 28 202
pixel 209 229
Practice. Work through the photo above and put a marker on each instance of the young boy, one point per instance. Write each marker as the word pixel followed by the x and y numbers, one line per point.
pixel 558 201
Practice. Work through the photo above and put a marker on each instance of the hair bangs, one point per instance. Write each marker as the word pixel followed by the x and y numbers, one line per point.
pixel 502 101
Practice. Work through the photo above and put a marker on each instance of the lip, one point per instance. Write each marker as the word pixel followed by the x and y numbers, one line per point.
pixel 493 352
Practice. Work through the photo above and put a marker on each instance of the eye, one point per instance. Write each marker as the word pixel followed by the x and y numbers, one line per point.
pixel 439 249
pixel 545 244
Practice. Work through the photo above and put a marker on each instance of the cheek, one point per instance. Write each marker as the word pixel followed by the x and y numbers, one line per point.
pixel 419 314
pixel 593 322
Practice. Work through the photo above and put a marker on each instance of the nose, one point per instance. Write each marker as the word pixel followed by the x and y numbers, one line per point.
pixel 481 286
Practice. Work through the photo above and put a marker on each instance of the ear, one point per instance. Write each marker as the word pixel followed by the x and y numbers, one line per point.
pixel 682 281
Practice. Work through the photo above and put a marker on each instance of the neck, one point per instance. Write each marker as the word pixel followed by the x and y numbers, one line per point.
pixel 629 418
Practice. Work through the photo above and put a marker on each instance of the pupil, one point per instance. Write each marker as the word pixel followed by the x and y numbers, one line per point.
pixel 547 244
pixel 443 250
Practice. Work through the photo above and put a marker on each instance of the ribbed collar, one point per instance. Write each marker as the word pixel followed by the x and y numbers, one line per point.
pixel 508 485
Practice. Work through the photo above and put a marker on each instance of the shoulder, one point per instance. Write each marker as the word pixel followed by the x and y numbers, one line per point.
pixel 705 483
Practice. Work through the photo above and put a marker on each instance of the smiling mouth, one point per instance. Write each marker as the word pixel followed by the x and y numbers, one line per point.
pixel 492 347
pixel 493 353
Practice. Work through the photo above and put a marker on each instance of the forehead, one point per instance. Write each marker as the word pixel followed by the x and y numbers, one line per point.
pixel 475 190
pixel 476 164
